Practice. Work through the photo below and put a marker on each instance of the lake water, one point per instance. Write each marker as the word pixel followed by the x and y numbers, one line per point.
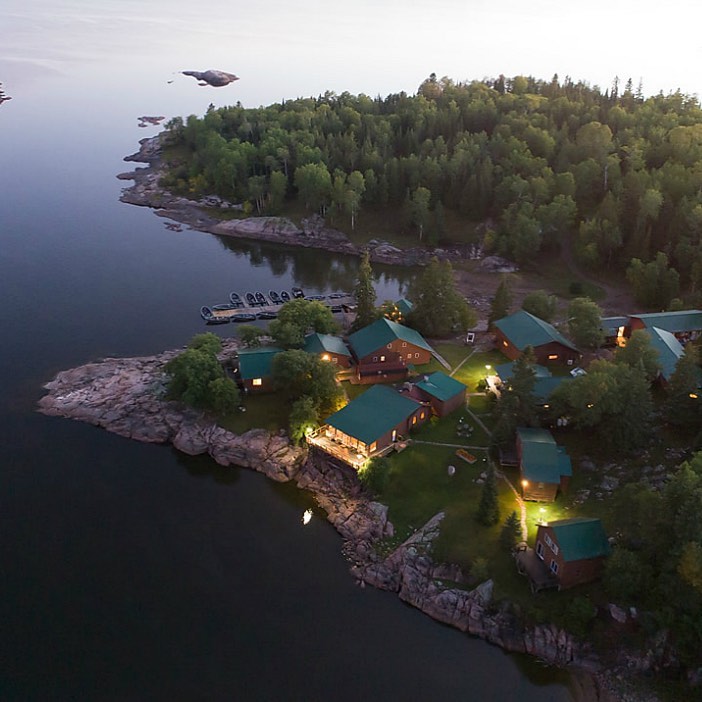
pixel 130 571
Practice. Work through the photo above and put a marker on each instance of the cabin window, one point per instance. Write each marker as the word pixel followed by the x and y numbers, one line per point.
pixel 553 357
pixel 421 415
pixel 554 567
pixel 541 486
pixel 334 359
pixel 394 434
pixel 540 550
pixel 390 345
pixel 551 544
pixel 373 446
pixel 382 359
pixel 504 343
pixel 404 344
pixel 375 359
pixel 416 355
pixel 256 382
pixel 414 420
pixel 399 357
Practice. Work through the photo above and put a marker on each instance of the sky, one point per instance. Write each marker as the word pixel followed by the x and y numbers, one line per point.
pixel 284 50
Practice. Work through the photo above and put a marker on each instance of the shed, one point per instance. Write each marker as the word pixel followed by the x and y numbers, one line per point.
pixel 255 368
pixel 328 348
pixel 544 467
pixel 444 393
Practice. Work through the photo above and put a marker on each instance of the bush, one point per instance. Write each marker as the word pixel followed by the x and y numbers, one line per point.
pixel 375 474
pixel 578 615
pixel 479 570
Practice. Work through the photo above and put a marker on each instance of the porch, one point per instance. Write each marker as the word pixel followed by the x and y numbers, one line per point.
pixel 529 564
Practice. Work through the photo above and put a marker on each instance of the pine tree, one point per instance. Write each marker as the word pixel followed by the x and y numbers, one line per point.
pixel 489 509
pixel 501 303
pixel 511 532
pixel 364 294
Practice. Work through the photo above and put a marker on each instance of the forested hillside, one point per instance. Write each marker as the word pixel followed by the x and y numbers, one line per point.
pixel 534 161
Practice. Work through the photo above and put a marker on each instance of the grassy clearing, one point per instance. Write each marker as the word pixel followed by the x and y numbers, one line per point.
pixel 262 412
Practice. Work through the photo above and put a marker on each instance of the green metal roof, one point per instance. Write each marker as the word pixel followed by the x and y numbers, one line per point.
pixel 382 332
pixel 580 537
pixel 441 386
pixel 404 305
pixel 524 329
pixel 321 343
pixel 543 387
pixel 542 460
pixel 682 321
pixel 256 363
pixel 670 350
pixel 372 414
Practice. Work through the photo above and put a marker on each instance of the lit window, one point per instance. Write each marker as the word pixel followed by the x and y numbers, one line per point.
pixel 372 447
pixel 325 356
pixel 382 359
pixel 400 357
pixel 257 381
pixel 414 420
pixel 421 416
pixel 504 343
pixel 553 357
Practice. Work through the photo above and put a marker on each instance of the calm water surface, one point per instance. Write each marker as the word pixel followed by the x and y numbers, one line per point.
pixel 129 571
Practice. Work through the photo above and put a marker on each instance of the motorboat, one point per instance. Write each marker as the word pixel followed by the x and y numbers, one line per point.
pixel 285 296
pixel 297 292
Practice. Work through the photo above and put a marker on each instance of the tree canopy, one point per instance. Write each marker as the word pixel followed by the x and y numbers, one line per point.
pixel 297 318
pixel 541 160
pixel 439 309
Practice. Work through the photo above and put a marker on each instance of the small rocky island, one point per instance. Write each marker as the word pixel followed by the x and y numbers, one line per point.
pixel 217 79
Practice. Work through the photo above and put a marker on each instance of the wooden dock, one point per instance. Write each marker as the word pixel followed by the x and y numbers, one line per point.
pixel 271 308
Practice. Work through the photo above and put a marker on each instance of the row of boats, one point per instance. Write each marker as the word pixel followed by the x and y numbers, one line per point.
pixel 227 312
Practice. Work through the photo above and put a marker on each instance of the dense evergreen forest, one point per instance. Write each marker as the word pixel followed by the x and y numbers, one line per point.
pixel 537 163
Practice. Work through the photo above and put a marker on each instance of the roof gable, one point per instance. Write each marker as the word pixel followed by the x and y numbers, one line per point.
pixel 404 305
pixel 325 343
pixel 372 414
pixel 381 333
pixel 441 386
pixel 676 322
pixel 524 329
pixel 580 538
pixel 669 349
pixel 610 325
pixel 543 461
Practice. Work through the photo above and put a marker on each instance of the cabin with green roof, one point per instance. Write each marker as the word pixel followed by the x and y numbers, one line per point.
pixel 443 393
pixel 254 371
pixel 685 325
pixel 521 329
pixel 573 550
pixel 384 350
pixel 544 467
pixel 329 348
pixel 369 425
pixel 404 306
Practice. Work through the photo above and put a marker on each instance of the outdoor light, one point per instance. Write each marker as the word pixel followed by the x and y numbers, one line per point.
pixel 693 395
pixel 525 483
pixel 487 366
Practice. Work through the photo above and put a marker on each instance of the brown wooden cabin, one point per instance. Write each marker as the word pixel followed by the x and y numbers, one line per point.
pixel 544 467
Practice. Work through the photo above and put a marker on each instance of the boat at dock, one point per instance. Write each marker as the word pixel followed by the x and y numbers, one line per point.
pixel 210 317
pixel 261 298
pixel 251 299
pixel 285 296
pixel 274 297
pixel 266 315
pixel 297 293
pixel 224 307
pixel 243 317
pixel 235 299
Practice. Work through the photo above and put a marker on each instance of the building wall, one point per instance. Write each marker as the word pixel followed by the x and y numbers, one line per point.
pixel 340 360
pixel 562 353
pixel 569 573
pixel 441 409
pixel 538 492
pixel 396 352
pixel 265 386
pixel 504 345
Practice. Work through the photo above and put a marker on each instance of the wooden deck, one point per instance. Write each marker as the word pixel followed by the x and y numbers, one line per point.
pixel 529 564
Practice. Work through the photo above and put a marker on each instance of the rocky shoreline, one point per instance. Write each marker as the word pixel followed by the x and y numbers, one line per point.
pixel 127 396
pixel 313 233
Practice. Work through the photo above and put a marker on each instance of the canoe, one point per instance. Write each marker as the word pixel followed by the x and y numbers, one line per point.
pixel 468 457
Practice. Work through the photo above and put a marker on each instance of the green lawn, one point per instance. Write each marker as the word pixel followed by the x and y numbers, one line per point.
pixel 262 412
